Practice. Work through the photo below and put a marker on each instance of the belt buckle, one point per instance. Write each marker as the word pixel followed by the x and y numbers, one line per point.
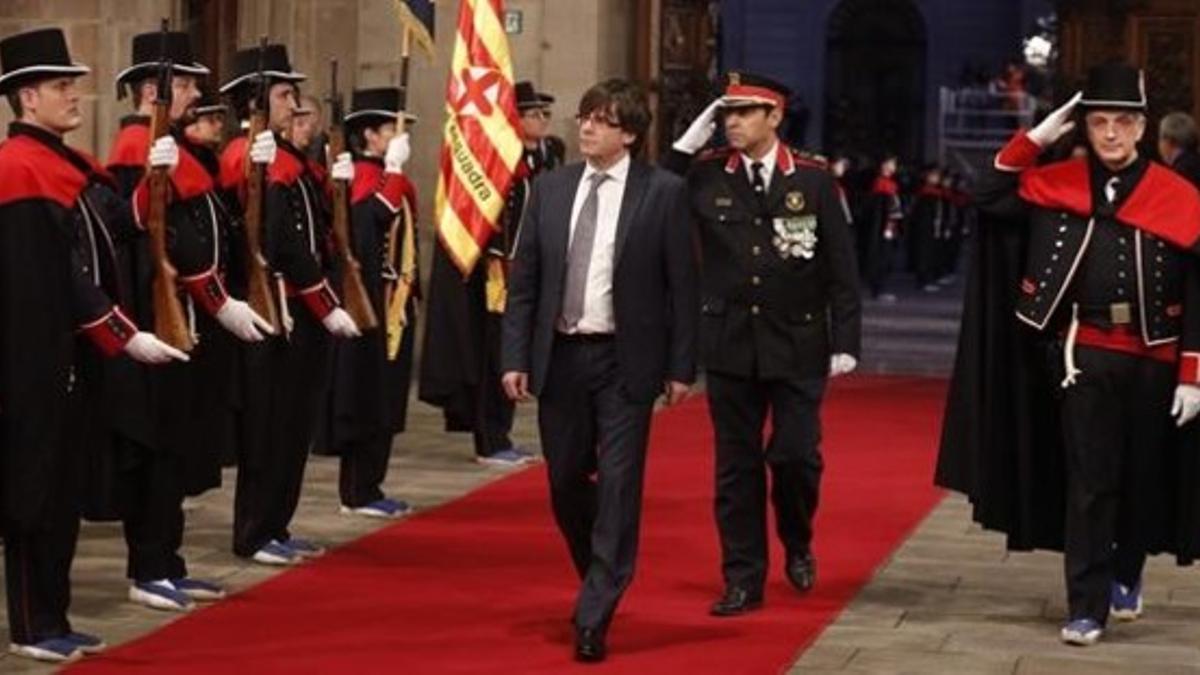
pixel 1120 313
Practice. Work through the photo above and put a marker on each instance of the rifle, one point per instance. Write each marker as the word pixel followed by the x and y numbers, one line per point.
pixel 258 283
pixel 170 325
pixel 398 290
pixel 354 293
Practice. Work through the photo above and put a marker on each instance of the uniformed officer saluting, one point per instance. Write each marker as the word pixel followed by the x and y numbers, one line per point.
pixel 780 313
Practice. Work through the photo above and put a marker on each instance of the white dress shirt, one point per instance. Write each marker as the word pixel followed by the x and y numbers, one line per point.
pixel 768 162
pixel 597 300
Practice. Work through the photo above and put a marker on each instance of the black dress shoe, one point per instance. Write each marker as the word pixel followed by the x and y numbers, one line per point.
pixel 802 571
pixel 589 645
pixel 736 601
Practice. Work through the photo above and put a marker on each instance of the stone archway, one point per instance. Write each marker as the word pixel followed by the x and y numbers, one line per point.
pixel 875 79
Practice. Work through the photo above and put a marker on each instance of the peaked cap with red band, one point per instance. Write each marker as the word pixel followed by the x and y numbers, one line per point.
pixel 745 89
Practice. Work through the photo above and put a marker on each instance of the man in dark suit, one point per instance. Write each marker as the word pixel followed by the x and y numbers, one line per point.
pixel 780 313
pixel 1177 145
pixel 601 320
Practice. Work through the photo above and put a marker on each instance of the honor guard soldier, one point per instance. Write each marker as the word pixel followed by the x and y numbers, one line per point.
pixel 460 366
pixel 54 204
pixel 369 397
pixel 1110 288
pixel 190 418
pixel 780 313
pixel 881 230
pixel 284 378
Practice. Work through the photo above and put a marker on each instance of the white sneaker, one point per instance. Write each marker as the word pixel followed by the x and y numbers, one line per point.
pixel 54 650
pixel 1082 632
pixel 275 553
pixel 160 595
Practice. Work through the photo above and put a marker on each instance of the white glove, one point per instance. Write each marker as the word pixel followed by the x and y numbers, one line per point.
pixel 164 154
pixel 842 364
pixel 339 323
pixel 700 131
pixel 147 348
pixel 237 318
pixel 262 150
pixel 398 152
pixel 1056 125
pixel 1186 404
pixel 343 167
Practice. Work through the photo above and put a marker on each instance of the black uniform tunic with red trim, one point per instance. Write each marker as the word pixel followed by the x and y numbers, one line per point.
pixel 779 296
pixel 369 397
pixel 53 249
pixel 1061 435
pixel 284 378
pixel 925 233
pixel 881 227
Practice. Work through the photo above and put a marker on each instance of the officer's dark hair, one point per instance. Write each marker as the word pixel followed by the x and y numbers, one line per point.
pixel 624 99
pixel 14 102
pixel 356 134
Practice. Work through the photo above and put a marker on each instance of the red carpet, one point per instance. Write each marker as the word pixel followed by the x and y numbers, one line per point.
pixel 484 584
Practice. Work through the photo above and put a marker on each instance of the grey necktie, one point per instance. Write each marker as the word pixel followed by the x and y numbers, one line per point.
pixel 579 256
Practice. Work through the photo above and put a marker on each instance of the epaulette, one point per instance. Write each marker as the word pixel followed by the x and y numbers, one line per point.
pixel 720 153
pixel 810 159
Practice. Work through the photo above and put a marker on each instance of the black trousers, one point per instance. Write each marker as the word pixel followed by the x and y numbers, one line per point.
pixel 152 514
pixel 594 439
pixel 364 465
pixel 493 410
pixel 284 386
pixel 738 407
pixel 1116 422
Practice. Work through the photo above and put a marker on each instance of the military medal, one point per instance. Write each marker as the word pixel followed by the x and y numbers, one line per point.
pixel 795 201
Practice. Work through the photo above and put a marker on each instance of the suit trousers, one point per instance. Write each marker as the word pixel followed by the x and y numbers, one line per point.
pixel 594 439
pixel 738 407
pixel 1115 422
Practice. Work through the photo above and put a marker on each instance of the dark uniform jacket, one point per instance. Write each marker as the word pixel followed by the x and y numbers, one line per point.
pixel 56 252
pixel 779 287
pixel 370 393
pixel 1128 268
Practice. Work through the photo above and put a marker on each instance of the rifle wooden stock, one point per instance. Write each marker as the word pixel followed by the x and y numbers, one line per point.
pixel 354 293
pixel 258 282
pixel 170 325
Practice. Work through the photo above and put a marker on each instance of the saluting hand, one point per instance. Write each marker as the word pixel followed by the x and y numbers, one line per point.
pixel 700 131
pixel 1057 124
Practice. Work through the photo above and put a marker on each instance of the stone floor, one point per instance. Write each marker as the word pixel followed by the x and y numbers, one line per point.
pixel 952 600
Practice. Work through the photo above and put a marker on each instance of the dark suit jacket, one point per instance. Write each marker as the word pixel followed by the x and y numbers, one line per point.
pixel 1187 164
pixel 654 280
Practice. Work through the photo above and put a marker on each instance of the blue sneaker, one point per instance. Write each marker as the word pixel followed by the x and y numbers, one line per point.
pixel 52 650
pixel 160 595
pixel 275 553
pixel 304 548
pixel 88 644
pixel 1082 632
pixel 509 457
pixel 198 590
pixel 380 508
pixel 1126 602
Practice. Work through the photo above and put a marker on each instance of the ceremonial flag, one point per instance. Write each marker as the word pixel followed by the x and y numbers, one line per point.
pixel 481 143
pixel 416 16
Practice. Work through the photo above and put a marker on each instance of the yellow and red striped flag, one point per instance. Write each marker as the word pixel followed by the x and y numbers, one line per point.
pixel 482 142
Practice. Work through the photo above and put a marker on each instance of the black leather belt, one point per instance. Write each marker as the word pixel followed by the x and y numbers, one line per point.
pixel 1113 314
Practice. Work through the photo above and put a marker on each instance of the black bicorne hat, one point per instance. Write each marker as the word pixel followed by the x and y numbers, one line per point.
pixel 1114 85
pixel 275 66
pixel 747 89
pixel 150 53
pixel 369 107
pixel 529 97
pixel 35 55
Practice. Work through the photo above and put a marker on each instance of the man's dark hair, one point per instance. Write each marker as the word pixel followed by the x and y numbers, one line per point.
pixel 623 100
pixel 14 102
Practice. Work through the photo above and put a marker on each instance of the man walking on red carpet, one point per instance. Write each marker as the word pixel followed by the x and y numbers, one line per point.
pixel 601 320
pixel 780 314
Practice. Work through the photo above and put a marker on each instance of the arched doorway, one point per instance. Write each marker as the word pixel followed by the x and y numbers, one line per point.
pixel 875 79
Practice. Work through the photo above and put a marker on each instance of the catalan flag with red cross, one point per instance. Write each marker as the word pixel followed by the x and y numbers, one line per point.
pixel 482 142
